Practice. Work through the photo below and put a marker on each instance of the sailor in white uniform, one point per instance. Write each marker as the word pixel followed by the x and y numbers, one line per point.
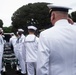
pixel 19 47
pixel 31 45
pixel 57 45
pixel 12 42
pixel 1 48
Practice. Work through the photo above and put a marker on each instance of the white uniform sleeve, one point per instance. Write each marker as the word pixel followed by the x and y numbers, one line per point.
pixel 1 45
pixel 24 51
pixel 43 56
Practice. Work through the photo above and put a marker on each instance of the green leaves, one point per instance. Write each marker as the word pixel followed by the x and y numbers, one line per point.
pixel 1 23
pixel 39 12
pixel 73 15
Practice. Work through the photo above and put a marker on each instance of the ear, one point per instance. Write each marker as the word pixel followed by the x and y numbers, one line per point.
pixel 70 20
pixel 52 16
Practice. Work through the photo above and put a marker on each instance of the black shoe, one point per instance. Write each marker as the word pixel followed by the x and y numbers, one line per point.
pixel 18 72
pixel 22 74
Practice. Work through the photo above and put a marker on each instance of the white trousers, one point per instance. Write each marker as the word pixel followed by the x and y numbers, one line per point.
pixel 31 68
pixel 1 54
pixel 22 64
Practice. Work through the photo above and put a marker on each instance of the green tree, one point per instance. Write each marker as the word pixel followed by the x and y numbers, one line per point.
pixel 1 23
pixel 7 29
pixel 32 14
pixel 73 15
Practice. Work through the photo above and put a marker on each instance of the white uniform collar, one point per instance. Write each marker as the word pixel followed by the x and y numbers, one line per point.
pixel 32 36
pixel 61 22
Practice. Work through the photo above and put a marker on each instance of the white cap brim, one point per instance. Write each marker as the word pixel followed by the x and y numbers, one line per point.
pixel 32 27
pixel 21 30
pixel 56 6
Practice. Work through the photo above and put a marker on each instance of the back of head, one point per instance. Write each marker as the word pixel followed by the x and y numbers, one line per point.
pixel 58 12
pixel 31 29
pixel 20 31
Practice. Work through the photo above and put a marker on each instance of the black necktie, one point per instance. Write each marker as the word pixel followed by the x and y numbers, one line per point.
pixel 17 40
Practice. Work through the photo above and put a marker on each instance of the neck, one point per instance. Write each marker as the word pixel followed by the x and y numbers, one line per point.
pixel 59 15
pixel 59 18
pixel 31 33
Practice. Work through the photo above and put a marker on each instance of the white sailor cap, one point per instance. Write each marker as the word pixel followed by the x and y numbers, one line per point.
pixel 12 33
pixel 20 30
pixel 56 7
pixel 32 27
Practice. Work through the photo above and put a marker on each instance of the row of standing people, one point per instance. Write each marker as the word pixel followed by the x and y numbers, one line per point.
pixel 33 53
pixel 25 49
pixel 56 47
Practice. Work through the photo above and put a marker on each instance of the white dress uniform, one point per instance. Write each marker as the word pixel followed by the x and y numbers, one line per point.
pixel 1 51
pixel 19 47
pixel 75 23
pixel 57 50
pixel 31 44
pixel 12 41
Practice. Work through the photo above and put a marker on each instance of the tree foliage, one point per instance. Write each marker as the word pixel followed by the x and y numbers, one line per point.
pixel 32 14
pixel 7 29
pixel 1 23
pixel 73 15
